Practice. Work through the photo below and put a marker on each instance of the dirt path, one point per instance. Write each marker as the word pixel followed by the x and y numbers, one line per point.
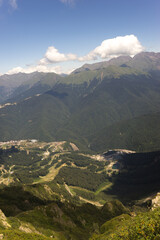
pixel 98 204
pixel 68 189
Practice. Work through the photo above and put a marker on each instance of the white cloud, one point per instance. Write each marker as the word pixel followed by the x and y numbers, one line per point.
pixel 122 45
pixel 37 68
pixel 70 2
pixel 13 3
pixel 53 55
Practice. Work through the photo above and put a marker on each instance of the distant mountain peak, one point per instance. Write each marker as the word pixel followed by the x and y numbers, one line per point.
pixel 96 66
pixel 142 61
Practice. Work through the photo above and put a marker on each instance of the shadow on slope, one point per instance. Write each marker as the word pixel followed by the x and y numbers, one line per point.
pixel 138 178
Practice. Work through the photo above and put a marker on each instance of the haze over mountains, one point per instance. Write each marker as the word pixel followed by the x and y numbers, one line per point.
pixel 14 85
pixel 113 104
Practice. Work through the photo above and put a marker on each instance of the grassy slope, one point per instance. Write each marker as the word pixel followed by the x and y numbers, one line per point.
pixel 83 223
pixel 143 226
pixel 56 219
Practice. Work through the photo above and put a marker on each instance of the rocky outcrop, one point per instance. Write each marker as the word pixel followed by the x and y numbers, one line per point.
pixel 156 201
pixel 3 220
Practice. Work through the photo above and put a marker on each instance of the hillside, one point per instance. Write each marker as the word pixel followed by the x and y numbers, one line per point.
pixel 145 61
pixel 52 190
pixel 142 226
pixel 43 195
pixel 59 221
pixel 67 173
pixel 79 154
pixel 90 108
pixel 56 168
pixel 140 134
pixel 22 85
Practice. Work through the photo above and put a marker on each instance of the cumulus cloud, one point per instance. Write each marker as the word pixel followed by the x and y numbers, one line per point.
pixel 37 68
pixel 13 3
pixel 122 45
pixel 53 56
pixel 109 48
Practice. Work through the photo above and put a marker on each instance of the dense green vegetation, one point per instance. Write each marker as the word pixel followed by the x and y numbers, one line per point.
pixel 113 106
pixel 80 177
pixel 18 235
pixel 51 205
pixel 140 134
pixel 22 165
pixel 67 174
pixel 54 190
pixel 81 160
pixel 143 226
pixel 58 220
pixel 62 221
pixel 15 199
pixel 52 176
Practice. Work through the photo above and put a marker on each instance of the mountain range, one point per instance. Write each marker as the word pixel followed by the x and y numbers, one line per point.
pixel 79 154
pixel 113 104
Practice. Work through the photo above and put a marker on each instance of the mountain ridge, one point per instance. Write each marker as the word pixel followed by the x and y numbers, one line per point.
pixel 81 105
pixel 151 60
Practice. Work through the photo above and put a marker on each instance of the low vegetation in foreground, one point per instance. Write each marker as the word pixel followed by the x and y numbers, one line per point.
pixel 143 226
pixel 55 191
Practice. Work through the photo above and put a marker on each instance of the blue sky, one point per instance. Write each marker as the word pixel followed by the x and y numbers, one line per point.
pixel 60 35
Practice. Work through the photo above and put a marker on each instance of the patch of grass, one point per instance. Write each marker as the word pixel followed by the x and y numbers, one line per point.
pixel 18 235
pixel 103 187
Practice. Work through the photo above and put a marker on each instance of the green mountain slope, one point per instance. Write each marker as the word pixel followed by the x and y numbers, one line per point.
pixel 59 221
pixel 37 117
pixel 89 106
pixel 54 191
pixel 145 61
pixel 114 100
pixel 141 134
pixel 19 86
pixel 142 226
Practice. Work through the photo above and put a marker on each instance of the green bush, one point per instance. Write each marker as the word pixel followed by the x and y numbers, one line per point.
pixel 145 226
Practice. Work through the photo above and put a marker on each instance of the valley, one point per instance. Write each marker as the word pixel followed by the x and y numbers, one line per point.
pixel 52 190
pixel 79 120
pixel 107 107
pixel 79 154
